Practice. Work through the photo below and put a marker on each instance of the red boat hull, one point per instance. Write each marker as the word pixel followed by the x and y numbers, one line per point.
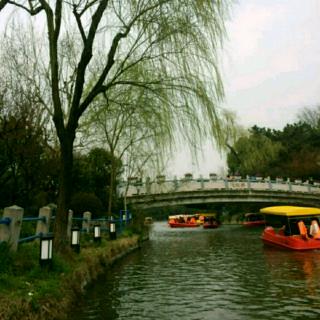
pixel 295 242
pixel 254 223
pixel 182 225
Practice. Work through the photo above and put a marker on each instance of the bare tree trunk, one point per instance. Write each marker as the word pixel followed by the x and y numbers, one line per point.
pixel 112 180
pixel 65 187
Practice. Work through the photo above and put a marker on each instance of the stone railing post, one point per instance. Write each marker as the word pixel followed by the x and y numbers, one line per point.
pixel 43 225
pixel 70 216
pixel 86 221
pixel 248 182
pixel 175 183
pixel 268 179
pixel 201 182
pixel 11 232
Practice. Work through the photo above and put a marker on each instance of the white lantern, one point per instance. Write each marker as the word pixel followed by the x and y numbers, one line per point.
pixel 112 231
pixel 97 233
pixel 46 250
pixel 75 239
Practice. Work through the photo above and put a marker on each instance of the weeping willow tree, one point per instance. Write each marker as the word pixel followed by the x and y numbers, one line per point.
pixel 166 47
pixel 134 128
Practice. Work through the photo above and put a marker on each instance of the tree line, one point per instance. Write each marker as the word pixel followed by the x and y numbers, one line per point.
pixel 293 152
pixel 29 163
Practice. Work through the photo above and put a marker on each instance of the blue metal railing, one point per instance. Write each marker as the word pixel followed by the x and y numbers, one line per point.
pixel 80 219
pixel 33 237
pixel 6 221
pixel 30 238
pixel 124 217
pixel 44 219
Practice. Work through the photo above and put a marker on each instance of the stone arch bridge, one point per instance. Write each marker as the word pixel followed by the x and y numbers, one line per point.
pixel 208 191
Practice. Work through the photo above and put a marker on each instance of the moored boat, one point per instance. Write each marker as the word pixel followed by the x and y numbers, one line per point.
pixel 292 227
pixel 211 225
pixel 253 220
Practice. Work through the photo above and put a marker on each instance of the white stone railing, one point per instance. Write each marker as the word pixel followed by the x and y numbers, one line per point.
pixel 184 185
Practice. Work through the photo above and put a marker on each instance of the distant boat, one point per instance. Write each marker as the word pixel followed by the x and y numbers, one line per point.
pixel 148 220
pixel 211 224
pixel 183 221
pixel 253 220
pixel 295 228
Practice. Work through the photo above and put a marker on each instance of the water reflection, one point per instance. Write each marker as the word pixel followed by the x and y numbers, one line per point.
pixel 299 266
pixel 224 273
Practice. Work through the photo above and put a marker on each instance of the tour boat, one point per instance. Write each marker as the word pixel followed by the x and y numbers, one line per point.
pixel 183 221
pixel 253 220
pixel 291 227
pixel 183 225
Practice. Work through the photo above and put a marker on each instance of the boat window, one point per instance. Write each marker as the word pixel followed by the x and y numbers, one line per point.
pixel 293 226
pixel 294 223
pixel 275 221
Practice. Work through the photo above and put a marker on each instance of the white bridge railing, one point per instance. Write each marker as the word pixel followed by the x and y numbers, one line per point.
pixel 135 188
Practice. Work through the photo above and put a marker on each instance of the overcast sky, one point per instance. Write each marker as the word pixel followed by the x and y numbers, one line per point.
pixel 271 68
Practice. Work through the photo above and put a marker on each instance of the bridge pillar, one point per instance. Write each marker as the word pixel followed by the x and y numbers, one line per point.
pixel 226 183
pixel 289 184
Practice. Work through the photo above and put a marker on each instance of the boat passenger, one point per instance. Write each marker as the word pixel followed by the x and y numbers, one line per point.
pixel 314 229
pixel 193 220
pixel 303 229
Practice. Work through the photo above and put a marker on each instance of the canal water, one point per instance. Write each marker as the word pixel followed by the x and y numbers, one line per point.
pixel 197 274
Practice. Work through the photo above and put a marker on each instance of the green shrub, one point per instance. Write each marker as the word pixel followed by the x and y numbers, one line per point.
pixel 83 201
pixel 6 258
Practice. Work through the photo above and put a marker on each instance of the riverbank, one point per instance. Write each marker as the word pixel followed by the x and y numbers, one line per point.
pixel 51 294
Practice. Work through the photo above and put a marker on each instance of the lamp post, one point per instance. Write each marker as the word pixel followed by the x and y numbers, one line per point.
pixel 112 230
pixel 96 233
pixel 45 258
pixel 75 239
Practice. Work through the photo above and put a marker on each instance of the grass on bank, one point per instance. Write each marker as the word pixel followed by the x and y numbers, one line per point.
pixel 23 280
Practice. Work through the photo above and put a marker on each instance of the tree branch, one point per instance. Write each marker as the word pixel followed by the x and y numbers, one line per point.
pixel 3 3
pixel 31 10
pixel 99 88
pixel 86 56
